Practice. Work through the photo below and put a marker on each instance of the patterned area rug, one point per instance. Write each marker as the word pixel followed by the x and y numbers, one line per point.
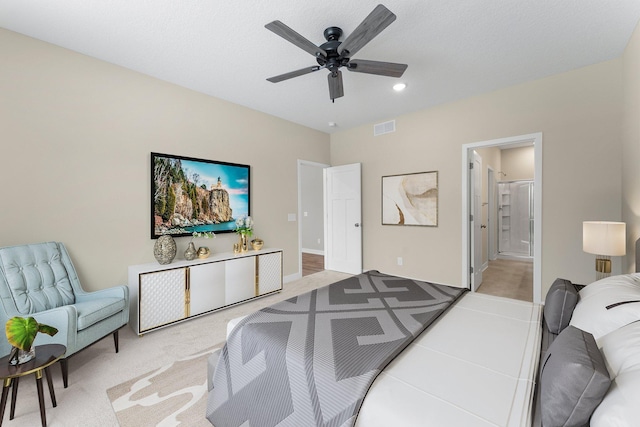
pixel 174 395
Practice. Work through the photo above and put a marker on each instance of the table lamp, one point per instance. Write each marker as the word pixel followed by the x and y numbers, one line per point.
pixel 604 239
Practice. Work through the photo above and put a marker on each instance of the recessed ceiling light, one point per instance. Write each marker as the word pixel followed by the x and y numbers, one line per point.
pixel 398 87
pixel 332 124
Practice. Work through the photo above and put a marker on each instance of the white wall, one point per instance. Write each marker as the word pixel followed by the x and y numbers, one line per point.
pixel 631 147
pixel 575 111
pixel 312 206
pixel 76 137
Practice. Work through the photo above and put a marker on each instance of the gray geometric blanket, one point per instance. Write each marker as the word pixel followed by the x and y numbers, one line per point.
pixel 310 360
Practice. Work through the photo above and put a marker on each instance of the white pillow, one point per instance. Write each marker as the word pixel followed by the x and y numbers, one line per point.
pixel 620 406
pixel 621 349
pixel 591 314
pixel 233 323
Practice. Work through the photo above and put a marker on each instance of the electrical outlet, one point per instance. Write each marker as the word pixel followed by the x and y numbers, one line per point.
pixel 318 241
pixel 399 260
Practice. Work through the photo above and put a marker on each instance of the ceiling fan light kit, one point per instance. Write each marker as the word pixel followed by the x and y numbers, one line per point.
pixel 335 54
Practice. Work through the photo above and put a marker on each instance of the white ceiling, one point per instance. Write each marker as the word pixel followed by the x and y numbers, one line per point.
pixel 454 48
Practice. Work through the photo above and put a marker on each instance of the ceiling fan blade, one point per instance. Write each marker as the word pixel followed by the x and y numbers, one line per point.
pixel 336 89
pixel 292 74
pixel 288 34
pixel 390 69
pixel 372 25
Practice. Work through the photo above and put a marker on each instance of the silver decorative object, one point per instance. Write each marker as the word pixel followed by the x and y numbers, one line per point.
pixel 165 249
pixel 190 253
pixel 18 356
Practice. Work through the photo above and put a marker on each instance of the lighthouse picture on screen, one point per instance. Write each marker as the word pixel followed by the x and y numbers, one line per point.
pixel 190 194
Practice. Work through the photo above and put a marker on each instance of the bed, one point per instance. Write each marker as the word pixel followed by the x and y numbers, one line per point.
pixel 481 361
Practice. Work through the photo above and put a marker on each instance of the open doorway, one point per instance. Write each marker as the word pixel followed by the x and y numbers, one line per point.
pixel 485 216
pixel 311 217
pixel 330 216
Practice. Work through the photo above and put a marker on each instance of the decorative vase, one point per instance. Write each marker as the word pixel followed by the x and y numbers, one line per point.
pixel 257 244
pixel 203 252
pixel 18 357
pixel 190 253
pixel 244 243
pixel 164 249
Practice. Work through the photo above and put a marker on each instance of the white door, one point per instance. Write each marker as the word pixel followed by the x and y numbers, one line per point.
pixel 343 210
pixel 476 230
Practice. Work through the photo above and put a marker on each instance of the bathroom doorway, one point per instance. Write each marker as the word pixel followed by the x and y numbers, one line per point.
pixel 504 158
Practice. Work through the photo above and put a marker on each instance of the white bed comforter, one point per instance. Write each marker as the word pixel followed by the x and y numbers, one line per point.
pixel 476 366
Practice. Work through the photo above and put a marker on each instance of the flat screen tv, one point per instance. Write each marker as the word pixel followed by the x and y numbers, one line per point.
pixel 189 194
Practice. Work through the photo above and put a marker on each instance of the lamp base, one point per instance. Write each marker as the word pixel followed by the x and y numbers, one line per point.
pixel 603 266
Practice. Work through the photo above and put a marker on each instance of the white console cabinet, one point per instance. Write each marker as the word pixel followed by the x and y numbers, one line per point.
pixel 162 295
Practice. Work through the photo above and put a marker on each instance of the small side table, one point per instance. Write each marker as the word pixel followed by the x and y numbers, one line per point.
pixel 46 355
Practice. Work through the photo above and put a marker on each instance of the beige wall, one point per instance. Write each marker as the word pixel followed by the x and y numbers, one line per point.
pixel 631 147
pixel 76 134
pixel 575 111
pixel 517 163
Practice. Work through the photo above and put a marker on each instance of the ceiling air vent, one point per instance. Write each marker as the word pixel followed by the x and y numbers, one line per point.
pixel 386 127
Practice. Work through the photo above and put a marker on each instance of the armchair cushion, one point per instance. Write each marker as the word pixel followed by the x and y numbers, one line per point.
pixel 36 277
pixel 92 311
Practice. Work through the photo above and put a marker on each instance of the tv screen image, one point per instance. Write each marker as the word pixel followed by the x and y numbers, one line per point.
pixel 189 194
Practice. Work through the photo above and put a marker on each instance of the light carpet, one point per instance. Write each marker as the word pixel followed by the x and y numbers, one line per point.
pixel 174 395
pixel 98 368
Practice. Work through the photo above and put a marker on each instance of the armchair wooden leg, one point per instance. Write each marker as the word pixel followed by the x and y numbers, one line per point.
pixel 115 340
pixel 64 365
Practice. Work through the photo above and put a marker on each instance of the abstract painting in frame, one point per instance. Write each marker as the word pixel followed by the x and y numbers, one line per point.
pixel 410 199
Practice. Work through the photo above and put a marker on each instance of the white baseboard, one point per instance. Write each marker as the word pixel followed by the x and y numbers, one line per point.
pixel 313 251
pixel 291 277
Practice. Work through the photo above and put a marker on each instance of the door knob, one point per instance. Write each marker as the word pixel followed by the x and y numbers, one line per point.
pixel 357 224
pixel 483 226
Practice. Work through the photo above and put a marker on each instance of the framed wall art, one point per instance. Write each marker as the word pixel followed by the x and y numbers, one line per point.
pixel 410 199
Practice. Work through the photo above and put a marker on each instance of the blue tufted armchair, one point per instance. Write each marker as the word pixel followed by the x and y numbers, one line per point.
pixel 40 281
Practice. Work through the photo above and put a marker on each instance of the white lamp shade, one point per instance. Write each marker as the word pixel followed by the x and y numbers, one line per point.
pixel 604 238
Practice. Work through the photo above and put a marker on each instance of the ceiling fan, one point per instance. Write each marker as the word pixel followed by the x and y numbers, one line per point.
pixel 335 54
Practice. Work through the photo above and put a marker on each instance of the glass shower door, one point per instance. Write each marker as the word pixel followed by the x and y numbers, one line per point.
pixel 515 217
